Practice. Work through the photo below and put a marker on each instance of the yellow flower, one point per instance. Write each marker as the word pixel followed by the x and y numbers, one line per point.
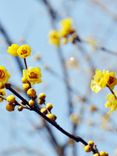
pixel 102 79
pixel 33 75
pixel 66 23
pixel 12 50
pixel 24 51
pixel 66 27
pixel 54 37
pixel 111 102
pixel 3 93
pixel 4 75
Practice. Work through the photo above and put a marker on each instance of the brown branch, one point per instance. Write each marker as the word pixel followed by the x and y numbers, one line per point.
pixel 59 149
pixel 65 73
pixel 37 110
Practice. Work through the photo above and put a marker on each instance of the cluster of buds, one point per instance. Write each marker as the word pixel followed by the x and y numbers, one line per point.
pixel 31 76
pixel 90 146
pixel 11 103
pixel 28 89
pixel 65 34
pixel 46 107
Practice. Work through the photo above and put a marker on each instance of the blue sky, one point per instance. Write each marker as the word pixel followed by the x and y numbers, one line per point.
pixel 29 19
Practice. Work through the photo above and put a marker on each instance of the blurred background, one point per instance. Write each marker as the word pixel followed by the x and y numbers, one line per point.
pixel 67 72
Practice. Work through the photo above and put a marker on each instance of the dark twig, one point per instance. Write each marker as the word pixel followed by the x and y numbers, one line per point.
pixel 37 110
pixel 25 62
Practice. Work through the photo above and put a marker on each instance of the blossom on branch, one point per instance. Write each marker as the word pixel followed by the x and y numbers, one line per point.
pixel 12 50
pixel 102 79
pixel 111 102
pixel 4 75
pixel 33 75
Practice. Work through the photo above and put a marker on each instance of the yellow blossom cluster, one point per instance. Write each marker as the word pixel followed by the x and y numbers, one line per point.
pixel 90 146
pixel 47 108
pixel 65 34
pixel 22 51
pixel 103 79
pixel 31 75
pixel 11 103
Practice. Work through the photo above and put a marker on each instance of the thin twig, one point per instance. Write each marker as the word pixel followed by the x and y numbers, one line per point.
pixel 25 62
pixel 37 110
pixel 112 92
